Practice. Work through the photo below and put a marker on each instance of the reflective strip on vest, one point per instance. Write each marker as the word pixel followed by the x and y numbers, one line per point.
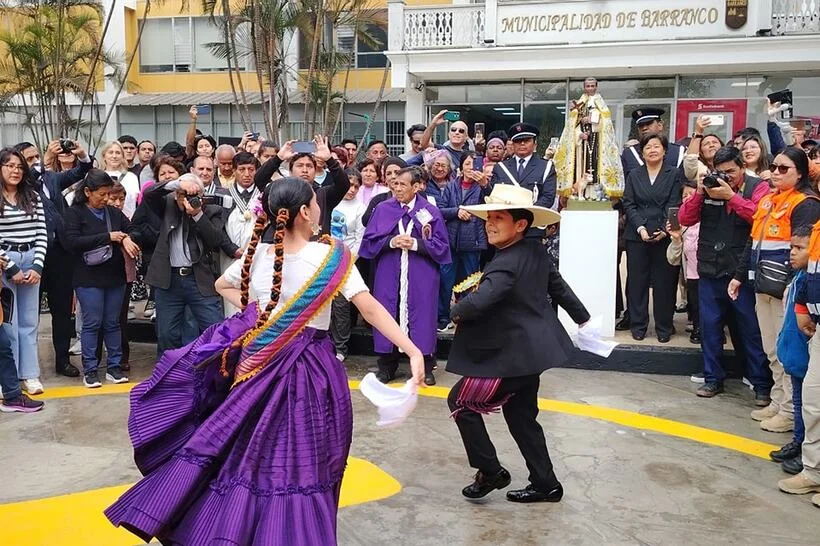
pixel 771 245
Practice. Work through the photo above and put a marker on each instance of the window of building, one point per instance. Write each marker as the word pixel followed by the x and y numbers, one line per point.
pixel 188 38
pixel 372 57
pixel 345 41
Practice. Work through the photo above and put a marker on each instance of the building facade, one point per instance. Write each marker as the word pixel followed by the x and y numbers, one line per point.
pixel 174 68
pixel 500 62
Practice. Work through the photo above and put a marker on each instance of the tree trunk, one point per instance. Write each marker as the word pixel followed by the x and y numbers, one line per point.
pixel 273 88
pixel 314 53
pixel 134 50
pixel 93 68
pixel 376 106
pixel 244 114
pixel 259 67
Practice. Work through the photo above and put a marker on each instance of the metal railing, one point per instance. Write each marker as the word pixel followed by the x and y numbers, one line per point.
pixel 442 27
pixel 795 17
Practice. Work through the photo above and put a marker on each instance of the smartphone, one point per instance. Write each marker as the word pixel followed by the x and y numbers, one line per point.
pixel 203 109
pixel 304 147
pixel 478 130
pixel 672 216
pixel 452 116
pixel 717 119
pixel 553 143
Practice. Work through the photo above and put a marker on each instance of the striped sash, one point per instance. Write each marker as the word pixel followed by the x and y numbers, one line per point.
pixel 262 344
pixel 478 394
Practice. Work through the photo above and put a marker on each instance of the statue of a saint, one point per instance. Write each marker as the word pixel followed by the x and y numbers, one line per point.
pixel 588 160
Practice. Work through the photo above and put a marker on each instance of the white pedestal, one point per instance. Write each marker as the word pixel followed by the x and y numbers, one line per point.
pixel 588 263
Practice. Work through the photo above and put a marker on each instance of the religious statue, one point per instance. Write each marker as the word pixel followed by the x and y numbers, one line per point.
pixel 587 161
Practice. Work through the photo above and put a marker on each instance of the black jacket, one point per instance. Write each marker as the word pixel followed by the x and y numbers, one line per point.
pixel 375 202
pixel 506 328
pixel 54 204
pixel 204 237
pixel 328 196
pixel 84 232
pixel 647 204
pixel 538 176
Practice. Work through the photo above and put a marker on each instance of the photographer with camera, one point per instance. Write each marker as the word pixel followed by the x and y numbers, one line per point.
pixel 57 281
pixel 185 263
pixel 765 264
pixel 725 204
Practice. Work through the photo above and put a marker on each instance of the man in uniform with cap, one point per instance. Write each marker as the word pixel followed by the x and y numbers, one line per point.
pixel 648 121
pixel 507 335
pixel 527 170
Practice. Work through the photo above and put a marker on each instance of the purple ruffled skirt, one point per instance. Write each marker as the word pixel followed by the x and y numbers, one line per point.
pixel 257 465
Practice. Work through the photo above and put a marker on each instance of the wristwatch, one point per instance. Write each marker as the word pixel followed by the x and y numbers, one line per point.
pixel 697 135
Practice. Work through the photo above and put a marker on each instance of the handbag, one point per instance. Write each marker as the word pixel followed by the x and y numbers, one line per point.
pixel 101 254
pixel 771 278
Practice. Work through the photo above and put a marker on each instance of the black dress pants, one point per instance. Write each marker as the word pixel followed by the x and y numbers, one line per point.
pixel 57 283
pixel 520 412
pixel 389 362
pixel 646 266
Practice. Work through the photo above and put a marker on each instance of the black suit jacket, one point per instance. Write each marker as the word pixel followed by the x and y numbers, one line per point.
pixel 506 328
pixel 204 237
pixel 533 177
pixel 648 204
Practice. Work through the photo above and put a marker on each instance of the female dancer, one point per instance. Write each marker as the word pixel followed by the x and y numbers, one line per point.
pixel 243 434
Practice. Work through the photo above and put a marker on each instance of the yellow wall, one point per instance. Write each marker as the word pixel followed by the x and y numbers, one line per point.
pixel 362 78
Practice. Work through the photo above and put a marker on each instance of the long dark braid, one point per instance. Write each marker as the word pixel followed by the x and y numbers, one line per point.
pixel 245 279
pixel 282 217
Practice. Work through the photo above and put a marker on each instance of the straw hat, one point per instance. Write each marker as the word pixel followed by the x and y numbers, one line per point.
pixel 506 197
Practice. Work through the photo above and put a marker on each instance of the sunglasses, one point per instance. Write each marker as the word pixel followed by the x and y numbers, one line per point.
pixel 782 169
pixel 417 142
pixel 458 130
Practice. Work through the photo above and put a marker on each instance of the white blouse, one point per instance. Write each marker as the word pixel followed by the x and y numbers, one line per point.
pixel 297 269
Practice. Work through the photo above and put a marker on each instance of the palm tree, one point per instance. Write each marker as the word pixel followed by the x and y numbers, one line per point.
pixel 51 53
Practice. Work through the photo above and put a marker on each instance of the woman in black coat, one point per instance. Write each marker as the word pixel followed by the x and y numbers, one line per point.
pixel 649 193
pixel 97 235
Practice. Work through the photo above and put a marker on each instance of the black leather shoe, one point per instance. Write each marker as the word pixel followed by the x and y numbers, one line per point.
pixel 788 451
pixel 531 494
pixel 623 325
pixel 484 484
pixel 429 379
pixel 694 337
pixel 68 371
pixel 384 376
pixel 793 466
pixel 664 339
pixel 637 336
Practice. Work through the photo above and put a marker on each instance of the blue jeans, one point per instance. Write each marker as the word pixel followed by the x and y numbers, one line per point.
pixel 8 371
pixel 171 304
pixel 101 311
pixel 22 331
pixel 464 264
pixel 797 399
pixel 715 309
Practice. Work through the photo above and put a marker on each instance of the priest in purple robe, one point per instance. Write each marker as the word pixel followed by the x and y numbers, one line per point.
pixel 407 240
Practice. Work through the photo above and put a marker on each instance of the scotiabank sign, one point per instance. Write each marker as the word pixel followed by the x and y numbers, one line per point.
pixel 616 21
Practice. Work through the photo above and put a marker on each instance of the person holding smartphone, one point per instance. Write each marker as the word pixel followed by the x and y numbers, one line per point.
pixel 649 192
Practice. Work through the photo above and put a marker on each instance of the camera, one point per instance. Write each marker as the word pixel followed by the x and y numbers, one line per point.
pixel 67 145
pixel 195 201
pixel 712 179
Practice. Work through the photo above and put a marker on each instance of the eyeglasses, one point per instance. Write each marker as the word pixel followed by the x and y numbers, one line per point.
pixel 782 169
pixel 458 130
pixel 13 166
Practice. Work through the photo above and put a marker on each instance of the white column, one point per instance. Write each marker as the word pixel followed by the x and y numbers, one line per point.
pixel 395 25
pixel 490 21
pixel 292 59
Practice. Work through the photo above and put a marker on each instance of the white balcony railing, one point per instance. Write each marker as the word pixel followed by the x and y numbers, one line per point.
pixel 442 27
pixel 505 22
pixel 795 16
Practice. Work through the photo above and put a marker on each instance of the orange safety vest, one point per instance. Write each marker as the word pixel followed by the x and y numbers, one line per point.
pixel 775 226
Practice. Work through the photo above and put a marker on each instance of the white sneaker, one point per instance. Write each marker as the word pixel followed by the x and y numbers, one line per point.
pixel 697 378
pixel 748 384
pixel 76 349
pixel 33 386
pixel 340 357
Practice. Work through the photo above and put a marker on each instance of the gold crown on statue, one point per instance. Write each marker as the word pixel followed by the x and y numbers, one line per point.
pixel 470 283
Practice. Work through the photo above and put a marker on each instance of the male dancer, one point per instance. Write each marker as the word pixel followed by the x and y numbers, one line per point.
pixel 506 336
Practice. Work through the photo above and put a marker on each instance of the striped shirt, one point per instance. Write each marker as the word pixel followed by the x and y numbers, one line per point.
pixel 17 227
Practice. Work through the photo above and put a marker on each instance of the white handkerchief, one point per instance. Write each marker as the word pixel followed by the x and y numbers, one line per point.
pixel 589 338
pixel 394 405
